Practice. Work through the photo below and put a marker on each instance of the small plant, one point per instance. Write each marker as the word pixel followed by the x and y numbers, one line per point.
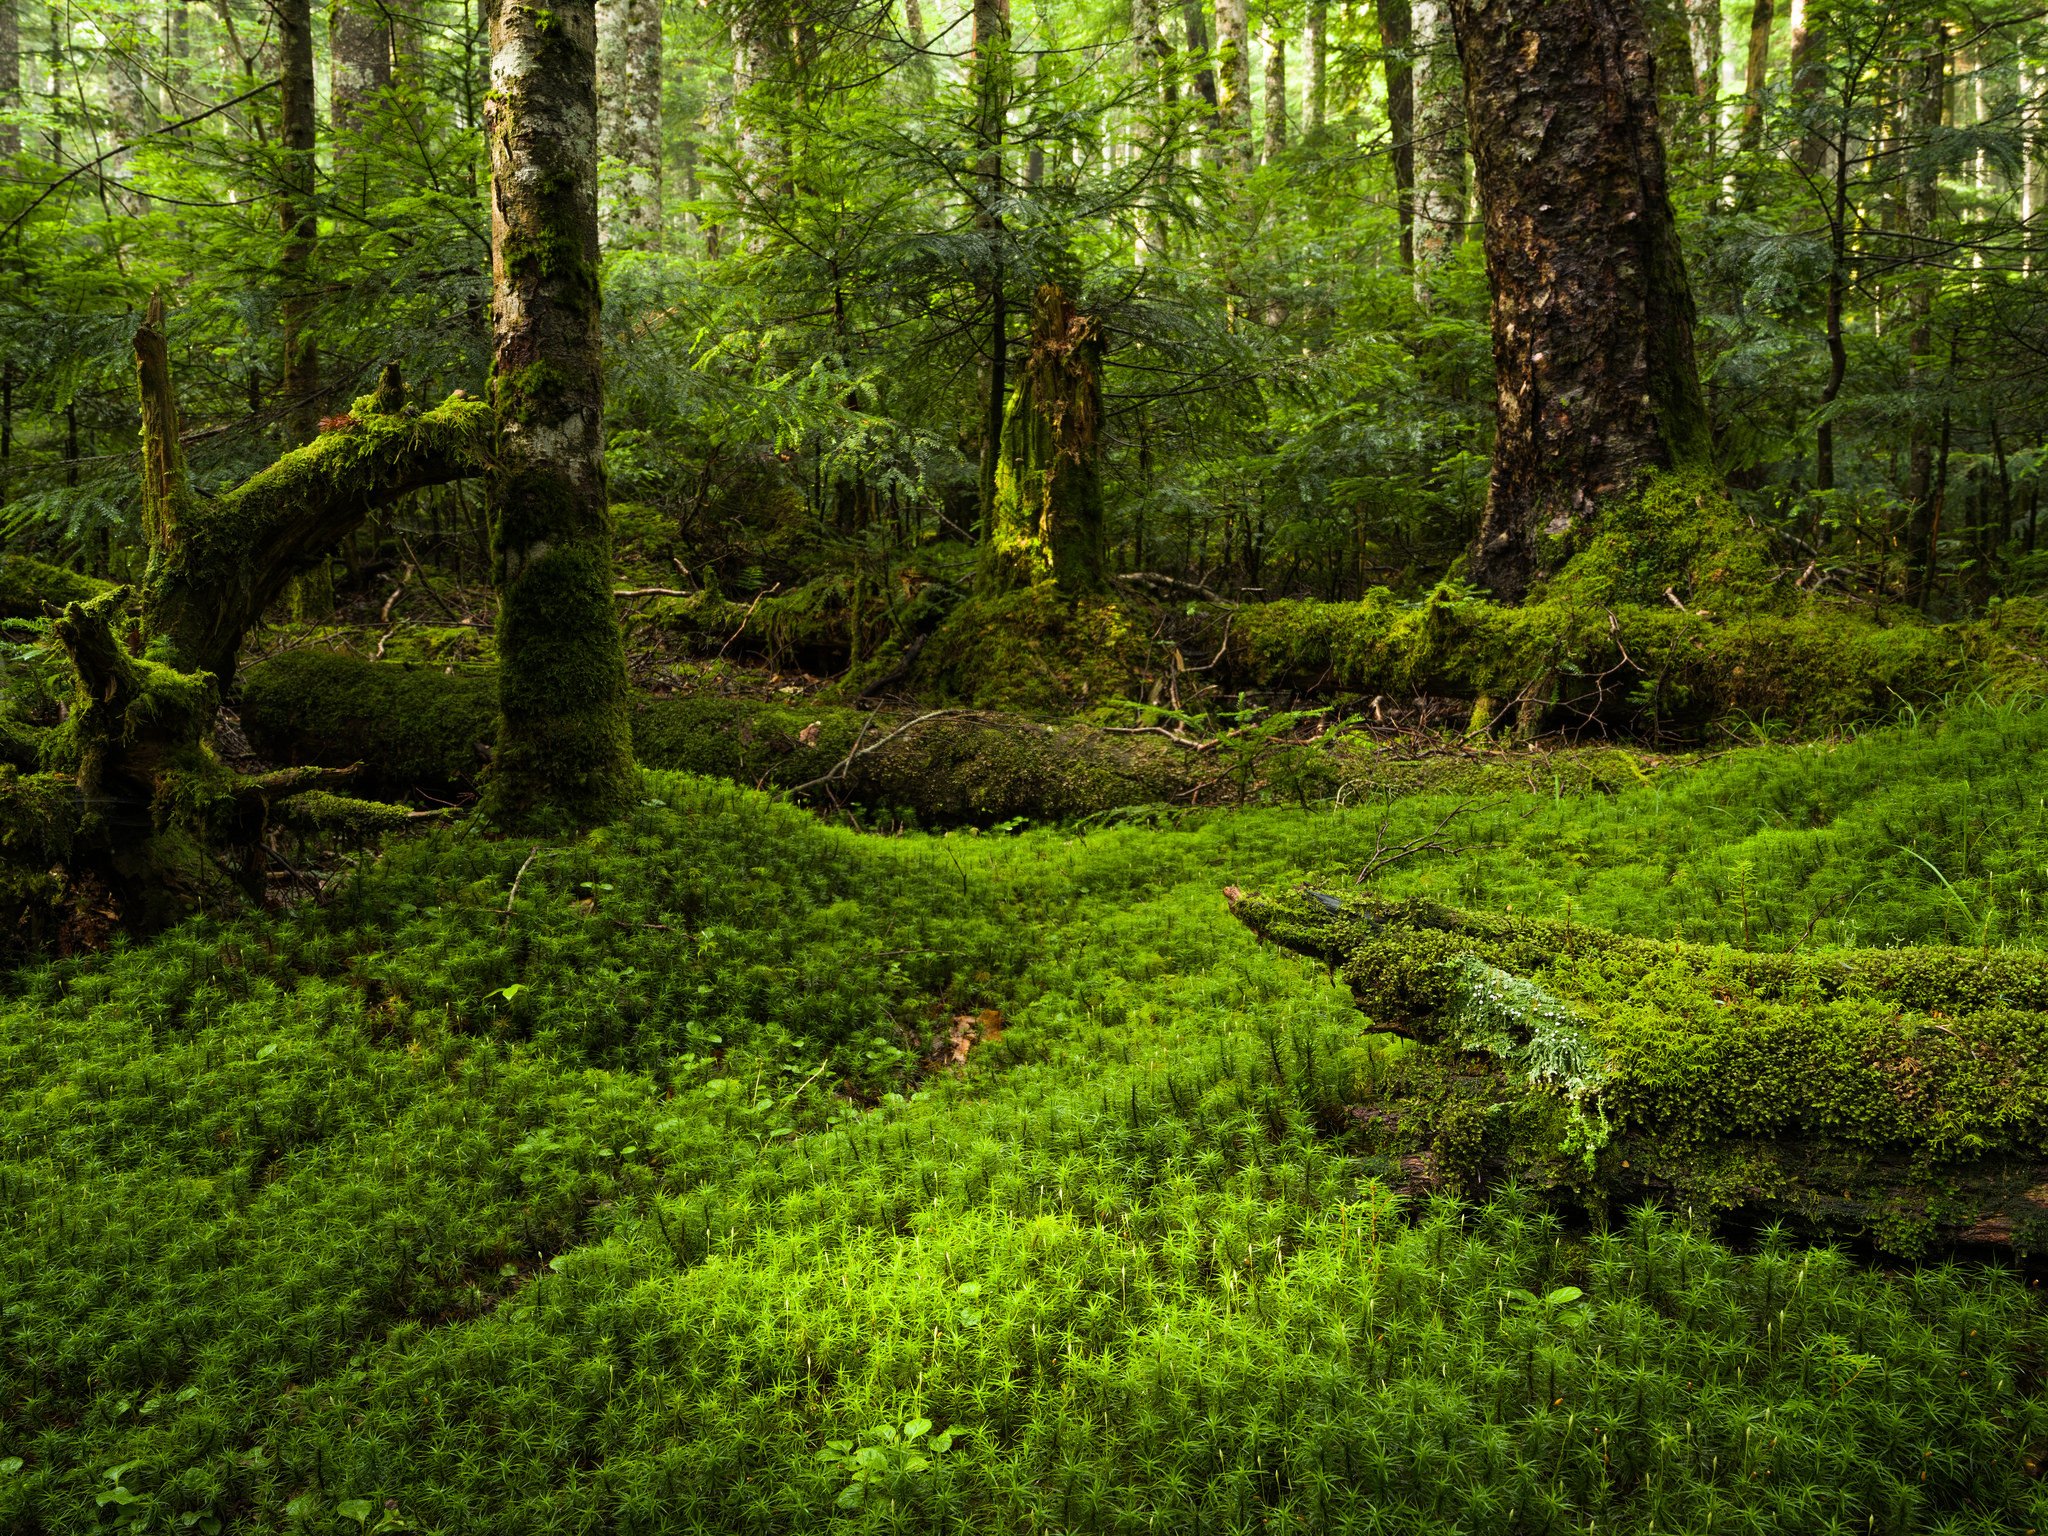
pixel 887 1463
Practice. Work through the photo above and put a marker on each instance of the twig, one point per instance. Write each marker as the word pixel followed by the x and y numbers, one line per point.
pixel 506 921
pixel 748 615
pixel 419 569
pixel 651 592
pixel 1385 854
pixel 838 770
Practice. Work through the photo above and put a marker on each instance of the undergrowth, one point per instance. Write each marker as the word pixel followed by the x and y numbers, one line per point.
pixel 610 1186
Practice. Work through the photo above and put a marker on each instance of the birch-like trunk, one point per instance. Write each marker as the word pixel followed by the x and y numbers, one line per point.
pixel 990 82
pixel 1439 144
pixel 564 748
pixel 1153 58
pixel 1274 104
pixel 1592 317
pixel 1315 39
pixel 1703 38
pixel 629 121
pixel 300 217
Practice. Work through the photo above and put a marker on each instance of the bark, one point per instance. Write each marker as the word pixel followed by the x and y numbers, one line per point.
pixel 1926 93
pixel 1275 101
pixel 1315 40
pixel 301 220
pixel 1439 140
pixel 1048 496
pixel 991 86
pixel 629 120
pixel 1234 85
pixel 1397 35
pixel 1194 24
pixel 134 109
pixel 359 77
pixel 753 65
pixel 1153 56
pixel 1807 72
pixel 1592 316
pixel 1703 40
pixel 10 77
pixel 1756 77
pixel 563 743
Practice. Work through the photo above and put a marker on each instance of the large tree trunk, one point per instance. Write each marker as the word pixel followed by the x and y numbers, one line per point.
pixel 1397 36
pixel 359 76
pixel 990 82
pixel 1048 505
pixel 301 219
pixel 1592 316
pixel 10 77
pixel 1439 143
pixel 564 747
pixel 629 120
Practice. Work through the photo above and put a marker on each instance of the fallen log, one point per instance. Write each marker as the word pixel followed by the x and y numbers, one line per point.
pixel 1894 1095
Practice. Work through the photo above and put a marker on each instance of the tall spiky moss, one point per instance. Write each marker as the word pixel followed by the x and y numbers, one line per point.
pixel 564 740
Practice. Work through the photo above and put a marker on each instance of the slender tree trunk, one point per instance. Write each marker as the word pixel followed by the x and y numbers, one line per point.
pixel 1838 354
pixel 359 76
pixel 1806 72
pixel 1703 39
pixel 10 78
pixel 134 108
pixel 1397 36
pixel 1048 510
pixel 629 120
pixel 1234 85
pixel 753 64
pixel 1926 93
pixel 301 219
pixel 1193 22
pixel 1592 315
pixel 1153 56
pixel 1315 39
pixel 1756 77
pixel 178 98
pixel 564 747
pixel 1439 143
pixel 1275 102
pixel 991 82
pixel 59 38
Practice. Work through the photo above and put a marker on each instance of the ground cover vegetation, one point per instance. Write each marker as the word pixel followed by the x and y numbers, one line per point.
pixel 607 1182
pixel 1102 767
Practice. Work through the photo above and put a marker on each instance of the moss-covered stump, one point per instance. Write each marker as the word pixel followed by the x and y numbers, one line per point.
pixel 1566 660
pixel 1896 1094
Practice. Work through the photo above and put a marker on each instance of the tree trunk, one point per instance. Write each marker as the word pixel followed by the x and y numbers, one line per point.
pixel 1234 85
pixel 1592 315
pixel 1197 30
pixel 1703 39
pixel 1806 72
pixel 1315 38
pixel 301 219
pixel 1048 501
pixel 1926 93
pixel 564 748
pixel 10 78
pixel 1397 36
pixel 1274 142
pixel 1153 58
pixel 1439 139
pixel 134 110
pixel 359 75
pixel 753 65
pixel 629 120
pixel 1756 77
pixel 991 89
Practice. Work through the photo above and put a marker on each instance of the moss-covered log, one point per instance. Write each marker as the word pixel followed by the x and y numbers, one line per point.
pixel 28 588
pixel 1896 1094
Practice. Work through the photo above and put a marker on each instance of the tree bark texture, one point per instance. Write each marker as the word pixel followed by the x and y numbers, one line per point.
pixel 629 121
pixel 1756 75
pixel 1048 495
pixel 10 77
pixel 1592 316
pixel 1153 58
pixel 1234 85
pixel 1703 39
pixel 301 219
pixel 359 76
pixel 991 85
pixel 1439 142
pixel 1274 105
pixel 1315 41
pixel 753 40
pixel 1397 32
pixel 564 746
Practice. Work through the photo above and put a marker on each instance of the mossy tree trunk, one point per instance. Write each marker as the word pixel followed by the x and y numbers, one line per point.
pixel 564 743
pixel 1048 519
pixel 301 218
pixel 1592 315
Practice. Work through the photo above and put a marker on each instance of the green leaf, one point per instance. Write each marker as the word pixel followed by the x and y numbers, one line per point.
pixel 357 1510
pixel 1563 1296
pixel 916 1427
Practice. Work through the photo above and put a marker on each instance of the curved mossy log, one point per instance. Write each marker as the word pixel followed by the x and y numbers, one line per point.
pixel 1895 1094
pixel 1566 660
pixel 228 560
pixel 28 587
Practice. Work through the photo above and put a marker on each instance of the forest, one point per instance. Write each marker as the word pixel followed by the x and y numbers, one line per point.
pixel 905 767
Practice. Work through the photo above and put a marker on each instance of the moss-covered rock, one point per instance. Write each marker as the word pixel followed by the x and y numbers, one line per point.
pixel 1899 1091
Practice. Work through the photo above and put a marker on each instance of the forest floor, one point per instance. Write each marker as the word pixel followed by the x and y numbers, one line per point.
pixel 728 1171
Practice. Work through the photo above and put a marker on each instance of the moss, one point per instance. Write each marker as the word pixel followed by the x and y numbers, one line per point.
pixel 27 586
pixel 1038 648
pixel 1726 1069
pixel 1679 531
pixel 413 728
